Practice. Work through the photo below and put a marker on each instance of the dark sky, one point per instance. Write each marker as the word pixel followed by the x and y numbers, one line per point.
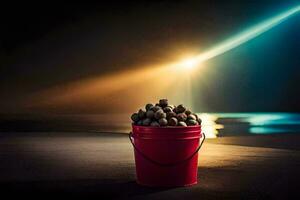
pixel 49 44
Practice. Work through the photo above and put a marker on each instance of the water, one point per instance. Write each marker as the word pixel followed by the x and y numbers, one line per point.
pixel 229 124
pixel 213 124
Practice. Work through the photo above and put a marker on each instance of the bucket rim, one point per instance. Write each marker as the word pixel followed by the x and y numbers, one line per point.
pixel 150 132
pixel 167 127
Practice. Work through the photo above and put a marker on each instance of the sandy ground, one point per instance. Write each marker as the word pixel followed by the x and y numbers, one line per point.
pixel 101 165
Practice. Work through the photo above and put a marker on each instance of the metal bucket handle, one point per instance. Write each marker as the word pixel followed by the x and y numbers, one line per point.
pixel 165 164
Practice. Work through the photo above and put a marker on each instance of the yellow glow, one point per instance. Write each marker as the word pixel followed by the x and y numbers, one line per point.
pixel 209 125
pixel 144 84
pixel 111 92
pixel 189 63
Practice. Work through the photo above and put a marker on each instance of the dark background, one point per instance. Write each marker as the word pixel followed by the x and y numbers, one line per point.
pixel 47 44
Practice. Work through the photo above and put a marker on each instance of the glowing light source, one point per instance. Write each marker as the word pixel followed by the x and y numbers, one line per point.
pixel 209 125
pixel 239 39
pixel 115 90
pixel 189 63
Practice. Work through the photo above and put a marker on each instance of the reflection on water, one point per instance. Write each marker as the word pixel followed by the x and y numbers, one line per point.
pixel 209 125
pixel 227 124
pixel 213 124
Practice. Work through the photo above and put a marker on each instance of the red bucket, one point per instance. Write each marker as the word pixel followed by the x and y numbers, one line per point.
pixel 166 156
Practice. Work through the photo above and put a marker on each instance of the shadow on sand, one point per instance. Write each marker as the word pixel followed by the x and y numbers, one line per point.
pixel 214 183
pixel 108 189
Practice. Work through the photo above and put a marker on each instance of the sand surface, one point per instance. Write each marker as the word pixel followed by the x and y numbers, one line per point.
pixel 101 165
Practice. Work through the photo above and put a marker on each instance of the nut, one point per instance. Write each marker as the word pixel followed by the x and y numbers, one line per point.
pixel 163 122
pixel 172 121
pixel 150 114
pixel 188 112
pixel 170 115
pixel 180 109
pixel 160 114
pixel 141 114
pixel 156 108
pixel 135 117
pixel 191 122
pixel 163 102
pixel 181 117
pixel 167 109
pixel 191 117
pixel 175 109
pixel 197 118
pixel 171 106
pixel 148 106
pixel 146 122
pixel 154 123
pixel 182 124
pixel 199 121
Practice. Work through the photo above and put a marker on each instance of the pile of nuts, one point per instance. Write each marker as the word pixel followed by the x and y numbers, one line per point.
pixel 163 114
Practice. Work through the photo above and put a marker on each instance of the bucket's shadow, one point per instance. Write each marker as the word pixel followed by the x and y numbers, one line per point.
pixel 109 189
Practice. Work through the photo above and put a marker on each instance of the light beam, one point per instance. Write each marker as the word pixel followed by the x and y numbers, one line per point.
pixel 238 40
pixel 117 89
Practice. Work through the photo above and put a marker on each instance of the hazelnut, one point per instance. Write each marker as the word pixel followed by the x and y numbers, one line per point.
pixel 191 122
pixel 175 109
pixel 180 109
pixel 135 117
pixel 170 115
pixel 150 114
pixel 181 117
pixel 171 106
pixel 197 118
pixel 167 109
pixel 191 117
pixel 199 121
pixel 148 106
pixel 163 122
pixel 141 114
pixel 195 115
pixel 172 121
pixel 146 122
pixel 163 102
pixel 160 114
pixel 182 124
pixel 154 123
pixel 155 108
pixel 188 112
